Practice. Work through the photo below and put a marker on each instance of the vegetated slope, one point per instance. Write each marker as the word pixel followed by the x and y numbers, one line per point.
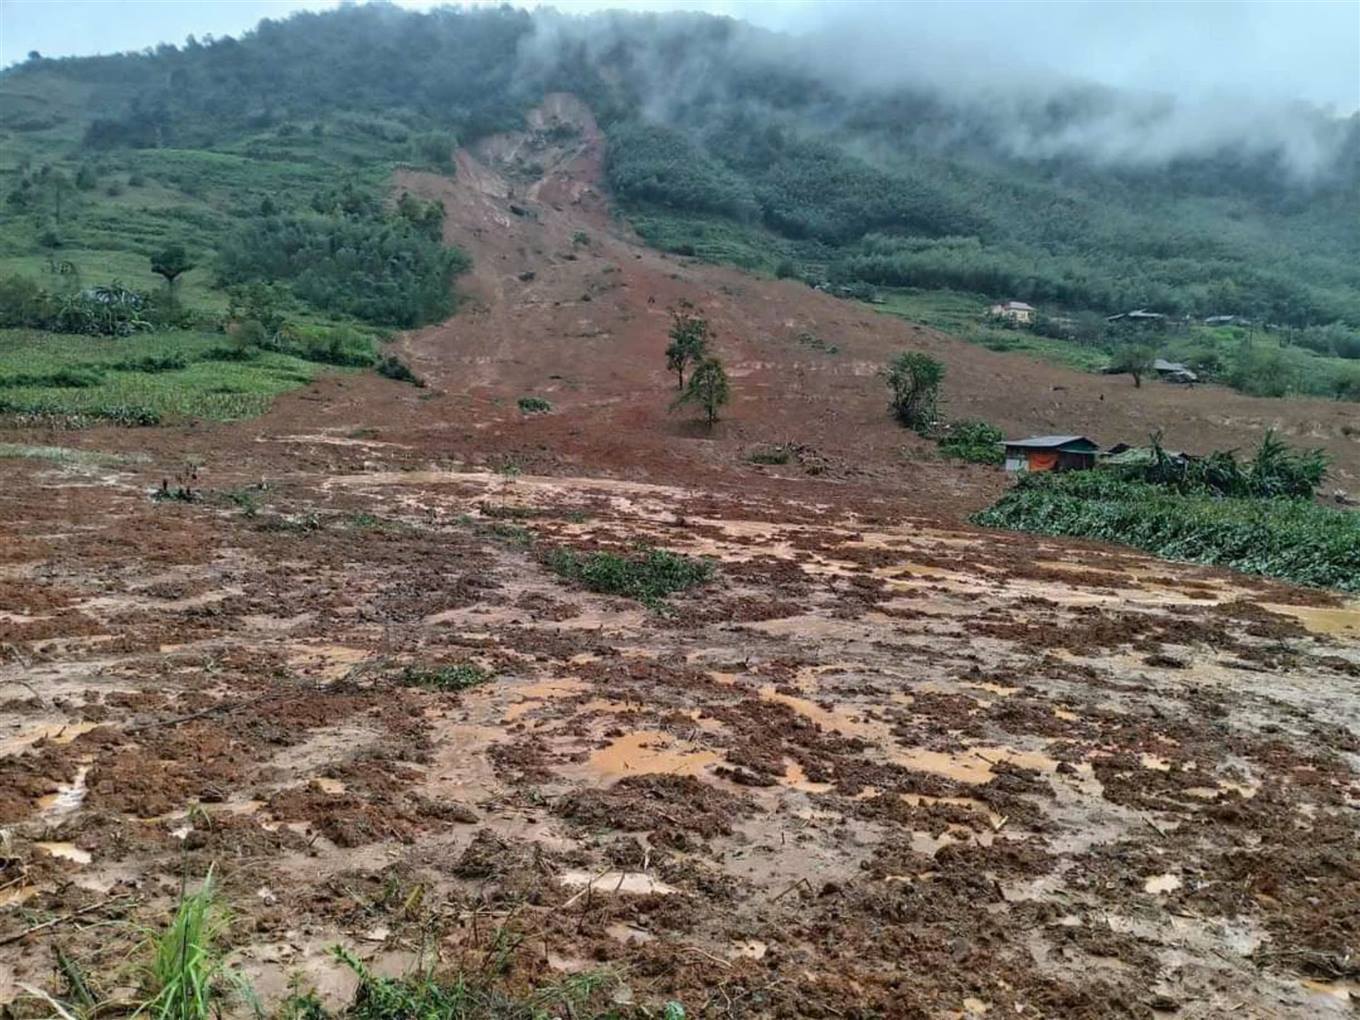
pixel 742 145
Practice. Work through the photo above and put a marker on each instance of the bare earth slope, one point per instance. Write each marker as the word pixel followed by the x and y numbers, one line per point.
pixel 884 764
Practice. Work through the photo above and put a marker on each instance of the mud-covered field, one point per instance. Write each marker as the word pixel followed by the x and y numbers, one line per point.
pixel 881 764
pixel 875 766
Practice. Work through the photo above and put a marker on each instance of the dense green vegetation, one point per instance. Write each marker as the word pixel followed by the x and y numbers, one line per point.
pixel 648 576
pixel 1256 515
pixel 1296 540
pixel 147 198
pixel 267 159
pixel 976 442
pixel 914 381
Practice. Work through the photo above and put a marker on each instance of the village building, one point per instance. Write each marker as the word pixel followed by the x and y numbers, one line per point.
pixel 1140 315
pixel 1014 311
pixel 1051 453
pixel 1174 371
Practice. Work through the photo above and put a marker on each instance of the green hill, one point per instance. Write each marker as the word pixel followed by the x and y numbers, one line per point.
pixel 268 158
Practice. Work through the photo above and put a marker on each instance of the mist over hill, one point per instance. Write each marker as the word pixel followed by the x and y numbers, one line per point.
pixel 829 154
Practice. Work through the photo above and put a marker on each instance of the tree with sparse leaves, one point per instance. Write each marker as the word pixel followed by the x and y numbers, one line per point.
pixel 171 262
pixel 708 388
pixel 1136 360
pixel 689 343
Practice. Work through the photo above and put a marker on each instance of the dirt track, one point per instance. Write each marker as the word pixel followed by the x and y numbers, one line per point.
pixel 884 765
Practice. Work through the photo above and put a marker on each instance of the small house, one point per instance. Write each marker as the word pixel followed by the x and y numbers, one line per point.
pixel 1050 453
pixel 1139 315
pixel 1014 311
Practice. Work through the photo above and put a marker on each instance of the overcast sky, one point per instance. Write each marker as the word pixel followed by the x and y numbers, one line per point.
pixel 1279 49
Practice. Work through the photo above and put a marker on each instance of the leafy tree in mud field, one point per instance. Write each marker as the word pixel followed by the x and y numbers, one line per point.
pixel 689 343
pixel 708 388
pixel 914 379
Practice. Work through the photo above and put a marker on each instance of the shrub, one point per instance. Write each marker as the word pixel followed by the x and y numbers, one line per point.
pixel 914 379
pixel 648 577
pixel 974 441
pixel 394 368
pixel 534 405
pixel 457 677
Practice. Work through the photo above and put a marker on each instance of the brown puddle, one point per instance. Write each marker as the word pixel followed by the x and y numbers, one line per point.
pixel 1159 884
pixel 1340 621
pixel 56 733
pixel 67 798
pixel 67 852
pixel 973 765
pixel 646 752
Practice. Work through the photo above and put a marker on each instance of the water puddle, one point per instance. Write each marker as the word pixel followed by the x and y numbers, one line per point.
pixel 54 733
pixel 68 798
pixel 1332 992
pixel 629 883
pixel 326 662
pixel 536 695
pixel 974 765
pixel 1159 884
pixel 795 778
pixel 1342 621
pixel 827 718
pixel 67 852
pixel 646 752
pixel 628 934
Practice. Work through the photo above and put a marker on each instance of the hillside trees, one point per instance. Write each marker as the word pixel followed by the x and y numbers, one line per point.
pixel 347 256
pixel 689 335
pixel 1135 360
pixel 708 388
pixel 914 379
pixel 171 262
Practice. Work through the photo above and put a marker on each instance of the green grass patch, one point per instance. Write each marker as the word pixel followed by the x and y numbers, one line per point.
pixel 458 677
pixel 143 379
pixel 465 995
pixel 648 576
pixel 69 455
pixel 1292 539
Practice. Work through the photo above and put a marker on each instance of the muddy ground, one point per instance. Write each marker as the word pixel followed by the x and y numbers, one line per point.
pixel 882 764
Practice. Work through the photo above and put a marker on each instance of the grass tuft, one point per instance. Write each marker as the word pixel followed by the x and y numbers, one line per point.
pixel 186 978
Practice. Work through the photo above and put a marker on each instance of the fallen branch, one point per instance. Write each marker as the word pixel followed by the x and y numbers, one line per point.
pixel 25 685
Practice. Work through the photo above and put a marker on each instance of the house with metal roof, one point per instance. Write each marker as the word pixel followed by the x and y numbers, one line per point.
pixel 1014 311
pixel 1050 453
pixel 1174 371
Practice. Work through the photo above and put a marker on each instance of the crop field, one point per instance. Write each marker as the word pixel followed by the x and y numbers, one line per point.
pixel 167 375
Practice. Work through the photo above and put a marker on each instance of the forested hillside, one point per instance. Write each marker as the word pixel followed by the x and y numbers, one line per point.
pixel 266 156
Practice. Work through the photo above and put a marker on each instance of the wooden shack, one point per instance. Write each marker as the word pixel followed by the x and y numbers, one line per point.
pixel 1050 453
